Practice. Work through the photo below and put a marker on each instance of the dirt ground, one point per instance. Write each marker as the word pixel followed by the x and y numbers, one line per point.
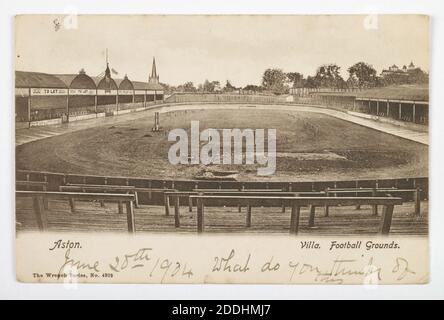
pixel 132 149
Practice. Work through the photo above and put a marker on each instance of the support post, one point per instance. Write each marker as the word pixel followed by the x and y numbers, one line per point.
pixel 400 111
pixel 294 219
pixel 414 112
pixel 166 201
pixel 130 217
pixel 95 103
pixel 29 107
pixel 45 199
pixel 176 212
pixel 200 215
pixel 190 204
pixel 248 218
pixel 374 207
pixel 67 105
pixel 176 206
pixel 326 208
pixel 72 205
pixel 386 220
pixel 39 212
pixel 136 199
pixel 117 100
pixel 417 202
pixel 311 220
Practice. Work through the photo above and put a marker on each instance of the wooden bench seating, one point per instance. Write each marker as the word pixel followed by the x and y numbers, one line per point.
pixel 176 195
pixel 106 188
pixel 375 192
pixel 32 184
pixel 296 203
pixel 40 196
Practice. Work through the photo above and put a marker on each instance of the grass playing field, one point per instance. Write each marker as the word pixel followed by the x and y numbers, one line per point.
pixel 418 92
pixel 311 146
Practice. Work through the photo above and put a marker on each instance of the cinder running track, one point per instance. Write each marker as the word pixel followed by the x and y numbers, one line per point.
pixel 36 133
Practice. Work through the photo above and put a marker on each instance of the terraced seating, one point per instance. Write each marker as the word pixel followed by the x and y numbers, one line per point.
pixel 112 189
pixel 176 195
pixel 375 192
pixel 40 196
pixel 43 185
pixel 296 203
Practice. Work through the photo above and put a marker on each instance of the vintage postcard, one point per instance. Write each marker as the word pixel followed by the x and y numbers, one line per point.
pixel 256 149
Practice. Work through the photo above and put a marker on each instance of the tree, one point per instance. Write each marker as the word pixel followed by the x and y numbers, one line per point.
pixel 329 76
pixel 274 80
pixel 253 88
pixel 364 73
pixel 229 87
pixel 418 76
pixel 352 82
pixel 310 82
pixel 189 87
pixel 168 89
pixel 211 86
pixel 296 79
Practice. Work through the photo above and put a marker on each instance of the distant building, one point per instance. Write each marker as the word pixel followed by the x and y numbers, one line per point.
pixel 395 70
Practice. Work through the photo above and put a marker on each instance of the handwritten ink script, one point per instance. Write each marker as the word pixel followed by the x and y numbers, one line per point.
pixel 369 262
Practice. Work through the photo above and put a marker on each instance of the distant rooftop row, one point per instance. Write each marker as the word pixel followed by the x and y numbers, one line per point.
pixel 24 79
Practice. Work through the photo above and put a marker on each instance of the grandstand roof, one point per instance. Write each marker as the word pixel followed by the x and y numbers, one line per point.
pixel 139 85
pixel 66 78
pixel 77 81
pixel 154 86
pixel 126 84
pixel 25 79
pixel 107 84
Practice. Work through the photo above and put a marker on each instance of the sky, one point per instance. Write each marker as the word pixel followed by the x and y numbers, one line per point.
pixel 236 48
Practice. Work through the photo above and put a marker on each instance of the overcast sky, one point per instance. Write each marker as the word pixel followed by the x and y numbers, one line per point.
pixel 238 48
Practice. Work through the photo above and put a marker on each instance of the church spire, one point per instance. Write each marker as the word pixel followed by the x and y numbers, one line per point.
pixel 107 71
pixel 154 77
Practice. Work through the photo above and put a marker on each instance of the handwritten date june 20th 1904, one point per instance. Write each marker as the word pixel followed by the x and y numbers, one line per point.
pixel 162 268
pixel 144 258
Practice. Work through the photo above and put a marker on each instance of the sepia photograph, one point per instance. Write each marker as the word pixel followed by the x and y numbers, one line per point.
pixel 221 124
pixel 221 148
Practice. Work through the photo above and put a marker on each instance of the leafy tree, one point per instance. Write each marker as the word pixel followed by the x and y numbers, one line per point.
pixel 189 87
pixel 310 82
pixel 329 76
pixel 229 87
pixel 364 73
pixel 418 76
pixel 296 79
pixel 211 86
pixel 252 87
pixel 274 80
pixel 352 82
